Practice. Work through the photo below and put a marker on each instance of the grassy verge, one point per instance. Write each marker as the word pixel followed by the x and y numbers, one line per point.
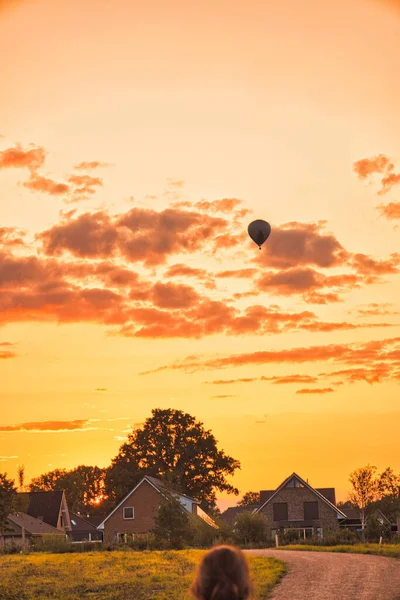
pixel 115 575
pixel 392 550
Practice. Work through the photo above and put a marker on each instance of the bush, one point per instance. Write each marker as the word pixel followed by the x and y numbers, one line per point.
pixel 252 529
pixel 52 543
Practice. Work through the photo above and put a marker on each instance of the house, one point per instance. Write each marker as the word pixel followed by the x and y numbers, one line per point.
pixel 83 529
pixel 230 514
pixel 137 511
pixel 295 505
pixel 21 528
pixel 50 507
pixel 353 520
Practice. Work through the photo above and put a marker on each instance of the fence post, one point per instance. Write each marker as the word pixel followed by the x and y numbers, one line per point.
pixel 276 540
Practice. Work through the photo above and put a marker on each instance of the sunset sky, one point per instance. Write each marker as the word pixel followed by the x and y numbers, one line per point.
pixel 137 141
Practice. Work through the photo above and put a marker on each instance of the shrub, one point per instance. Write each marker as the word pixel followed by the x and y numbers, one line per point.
pixel 52 543
pixel 252 529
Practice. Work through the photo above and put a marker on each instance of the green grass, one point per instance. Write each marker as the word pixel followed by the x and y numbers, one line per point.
pixel 115 575
pixel 391 550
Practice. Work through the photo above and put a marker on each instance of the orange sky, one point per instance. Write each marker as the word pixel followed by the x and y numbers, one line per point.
pixel 137 140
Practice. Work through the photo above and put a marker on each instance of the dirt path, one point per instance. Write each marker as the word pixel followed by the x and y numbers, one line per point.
pixel 334 576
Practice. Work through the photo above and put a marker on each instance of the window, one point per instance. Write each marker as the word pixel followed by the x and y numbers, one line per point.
pixel 294 483
pixel 61 522
pixel 311 511
pixel 128 512
pixel 280 510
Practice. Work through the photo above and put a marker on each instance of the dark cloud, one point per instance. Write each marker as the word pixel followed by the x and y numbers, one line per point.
pixel 295 245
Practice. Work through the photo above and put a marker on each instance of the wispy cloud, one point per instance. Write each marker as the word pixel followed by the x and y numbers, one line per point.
pixel 59 426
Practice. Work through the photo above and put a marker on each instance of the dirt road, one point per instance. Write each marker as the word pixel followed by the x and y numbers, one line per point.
pixel 334 576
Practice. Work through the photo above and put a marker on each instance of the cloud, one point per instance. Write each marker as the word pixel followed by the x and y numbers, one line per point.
pixel 315 287
pixel 297 245
pixel 94 164
pixel 84 186
pixel 275 379
pixel 7 458
pixel 285 379
pixel 5 354
pixel 86 236
pixel 374 309
pixel 37 183
pixel 369 166
pixel 59 426
pixel 376 374
pixel 315 390
pixel 391 211
pixel 388 182
pixel 12 237
pixel 170 295
pixel 140 235
pixel 18 158
pixel 367 265
pixel 387 350
pixel 381 165
pixel 237 273
pixel 101 390
pixel 222 396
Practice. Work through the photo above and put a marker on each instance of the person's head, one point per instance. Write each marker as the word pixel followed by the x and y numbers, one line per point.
pixel 223 574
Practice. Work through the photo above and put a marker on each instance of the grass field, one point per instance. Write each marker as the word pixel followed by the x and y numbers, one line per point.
pixel 115 575
pixel 391 550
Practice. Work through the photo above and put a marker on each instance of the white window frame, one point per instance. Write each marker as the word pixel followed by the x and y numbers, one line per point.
pixel 128 518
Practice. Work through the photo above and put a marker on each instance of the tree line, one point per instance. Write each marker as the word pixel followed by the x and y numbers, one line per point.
pixel 171 445
pixel 175 447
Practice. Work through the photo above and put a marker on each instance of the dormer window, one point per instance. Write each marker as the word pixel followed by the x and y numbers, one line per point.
pixel 129 512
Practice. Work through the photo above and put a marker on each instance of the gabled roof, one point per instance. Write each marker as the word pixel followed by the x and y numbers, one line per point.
pixel 328 493
pixel 31 525
pixel 230 514
pixel 161 485
pixel 80 524
pixel 45 506
pixel 339 513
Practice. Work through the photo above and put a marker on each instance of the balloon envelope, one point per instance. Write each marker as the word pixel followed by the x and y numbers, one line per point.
pixel 259 231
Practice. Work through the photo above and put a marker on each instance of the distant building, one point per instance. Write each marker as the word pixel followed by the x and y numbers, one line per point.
pixel 84 529
pixel 50 507
pixel 137 511
pixel 295 505
pixel 21 528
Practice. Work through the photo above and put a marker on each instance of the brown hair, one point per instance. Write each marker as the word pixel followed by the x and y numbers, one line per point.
pixel 223 574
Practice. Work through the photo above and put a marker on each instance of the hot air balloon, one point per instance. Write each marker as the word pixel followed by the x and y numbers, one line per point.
pixel 259 231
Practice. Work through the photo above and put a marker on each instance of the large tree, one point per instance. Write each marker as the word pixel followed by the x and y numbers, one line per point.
pixel 8 494
pixel 176 447
pixel 83 486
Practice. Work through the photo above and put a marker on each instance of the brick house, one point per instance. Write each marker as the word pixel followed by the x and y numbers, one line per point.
pixel 137 511
pixel 295 504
